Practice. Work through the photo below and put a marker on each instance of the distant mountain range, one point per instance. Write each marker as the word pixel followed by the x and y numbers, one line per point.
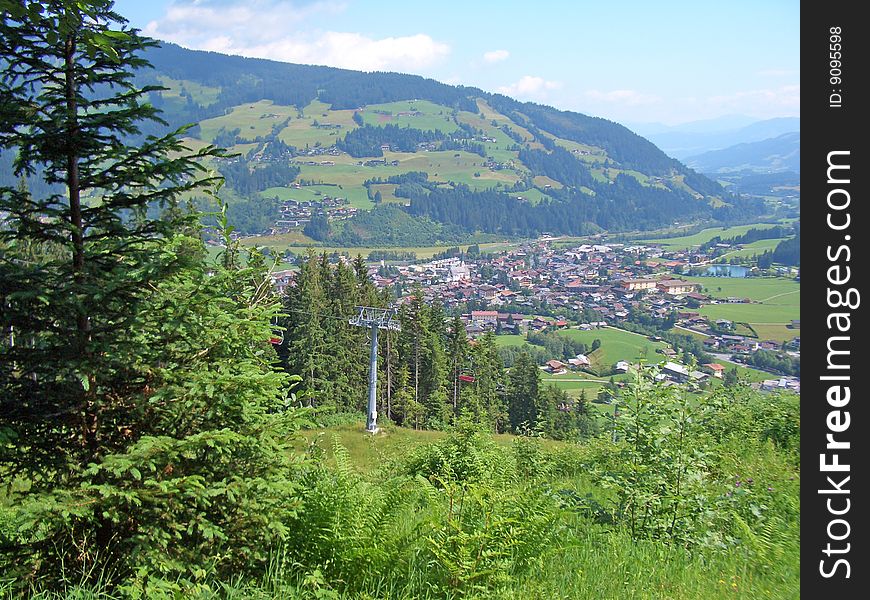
pixel 693 139
pixel 781 153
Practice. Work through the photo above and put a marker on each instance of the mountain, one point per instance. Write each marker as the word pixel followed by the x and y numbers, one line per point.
pixel 682 143
pixel 723 123
pixel 781 153
pixel 319 148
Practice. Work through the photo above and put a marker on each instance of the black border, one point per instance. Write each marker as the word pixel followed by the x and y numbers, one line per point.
pixel 827 129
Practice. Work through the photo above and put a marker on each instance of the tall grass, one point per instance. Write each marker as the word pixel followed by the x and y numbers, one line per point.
pixel 462 516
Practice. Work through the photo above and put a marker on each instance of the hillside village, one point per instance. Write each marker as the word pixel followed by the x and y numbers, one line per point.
pixel 543 287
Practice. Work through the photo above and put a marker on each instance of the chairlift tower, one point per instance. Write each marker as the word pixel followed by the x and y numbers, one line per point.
pixel 374 319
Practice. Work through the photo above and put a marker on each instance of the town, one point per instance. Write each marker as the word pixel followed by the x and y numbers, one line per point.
pixel 547 285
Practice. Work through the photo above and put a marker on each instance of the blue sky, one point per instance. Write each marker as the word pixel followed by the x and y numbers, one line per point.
pixel 630 61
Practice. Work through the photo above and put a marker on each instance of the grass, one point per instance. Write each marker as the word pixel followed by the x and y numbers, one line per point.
pixel 533 196
pixel 779 333
pixel 201 94
pixel 369 452
pixel 255 119
pixel 586 560
pixel 779 290
pixel 388 193
pixel 602 563
pixel 543 181
pixel 283 240
pixel 356 196
pixel 704 236
pixel 433 116
pixel 754 248
pixel 776 300
pixel 754 314
pixel 510 340
pixel 616 345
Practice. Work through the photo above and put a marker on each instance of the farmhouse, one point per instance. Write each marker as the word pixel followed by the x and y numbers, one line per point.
pixel 556 367
pixel 579 361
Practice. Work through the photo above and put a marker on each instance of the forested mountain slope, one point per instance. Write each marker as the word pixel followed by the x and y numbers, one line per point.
pixel 319 148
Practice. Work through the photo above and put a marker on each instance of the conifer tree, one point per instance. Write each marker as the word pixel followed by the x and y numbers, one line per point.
pixel 523 389
pixel 489 381
pixel 138 397
pixel 304 350
pixel 457 354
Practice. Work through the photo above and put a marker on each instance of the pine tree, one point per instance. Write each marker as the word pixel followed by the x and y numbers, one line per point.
pixel 347 364
pixel 523 389
pixel 139 400
pixel 489 381
pixel 457 355
pixel 305 346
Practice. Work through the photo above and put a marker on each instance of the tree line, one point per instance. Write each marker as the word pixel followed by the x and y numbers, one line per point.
pixel 430 372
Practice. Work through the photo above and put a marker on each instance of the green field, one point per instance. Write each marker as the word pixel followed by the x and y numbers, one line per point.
pixel 753 314
pixel 753 249
pixel 779 333
pixel 776 301
pixel 510 340
pixel 199 93
pixel 255 119
pixel 356 196
pixel 533 196
pixel 703 236
pixel 432 116
pixel 782 290
pixel 616 345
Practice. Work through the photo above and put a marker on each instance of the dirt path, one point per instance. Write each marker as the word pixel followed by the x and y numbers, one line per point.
pixel 779 295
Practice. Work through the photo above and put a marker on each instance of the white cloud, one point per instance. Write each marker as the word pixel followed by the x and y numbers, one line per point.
pixel 495 56
pixel 625 97
pixel 271 29
pixel 530 87
pixel 776 101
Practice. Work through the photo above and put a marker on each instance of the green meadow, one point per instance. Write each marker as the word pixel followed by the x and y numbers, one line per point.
pixel 703 236
pixel 775 302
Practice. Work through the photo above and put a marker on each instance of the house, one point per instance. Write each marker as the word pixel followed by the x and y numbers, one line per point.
pixel 675 372
pixel 714 369
pixel 581 360
pixel 677 286
pixel 621 367
pixel 556 367
pixel 484 316
pixel 698 376
pixel 282 279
